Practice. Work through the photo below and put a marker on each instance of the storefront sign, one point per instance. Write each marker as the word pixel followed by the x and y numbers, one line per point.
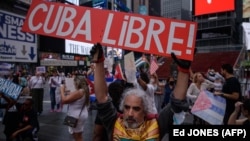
pixel 16 45
pixel 67 57
pixel 58 63
pixel 49 55
pixel 41 69
pixel 148 34
pixel 76 47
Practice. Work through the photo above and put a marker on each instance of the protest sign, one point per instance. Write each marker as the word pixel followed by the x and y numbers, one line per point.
pixel 210 108
pixel 135 32
pixel 41 69
pixel 10 89
pixel 69 83
pixel 5 69
pixel 129 64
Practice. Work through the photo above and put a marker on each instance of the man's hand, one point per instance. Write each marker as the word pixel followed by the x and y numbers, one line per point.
pixel 96 53
pixel 238 106
pixel 137 74
pixel 218 93
pixel 184 64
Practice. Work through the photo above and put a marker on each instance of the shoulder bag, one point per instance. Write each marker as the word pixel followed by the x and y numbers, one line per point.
pixel 72 121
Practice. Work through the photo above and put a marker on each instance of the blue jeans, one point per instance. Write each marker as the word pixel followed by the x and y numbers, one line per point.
pixel 53 98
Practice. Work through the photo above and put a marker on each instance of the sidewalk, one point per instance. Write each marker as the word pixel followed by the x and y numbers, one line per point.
pixel 52 129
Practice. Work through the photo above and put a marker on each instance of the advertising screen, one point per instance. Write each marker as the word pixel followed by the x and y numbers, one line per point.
pixel 246 9
pixel 213 6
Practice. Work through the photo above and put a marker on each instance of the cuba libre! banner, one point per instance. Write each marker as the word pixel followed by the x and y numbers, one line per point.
pixel 128 31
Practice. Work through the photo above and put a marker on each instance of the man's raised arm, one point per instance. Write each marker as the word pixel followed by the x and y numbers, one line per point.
pixel 100 85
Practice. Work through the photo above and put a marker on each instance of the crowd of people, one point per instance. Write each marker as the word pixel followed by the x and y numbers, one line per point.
pixel 139 110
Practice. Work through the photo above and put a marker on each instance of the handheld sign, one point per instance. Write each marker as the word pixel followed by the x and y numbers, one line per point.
pixel 135 32
pixel 10 89
pixel 69 83
pixel 129 64
pixel 41 69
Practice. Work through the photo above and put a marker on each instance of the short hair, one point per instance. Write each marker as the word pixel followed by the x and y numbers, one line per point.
pixel 228 68
pixel 115 90
pixel 144 76
pixel 30 100
pixel 140 94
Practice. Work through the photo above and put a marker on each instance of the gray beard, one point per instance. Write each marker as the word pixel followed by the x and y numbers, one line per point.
pixel 132 126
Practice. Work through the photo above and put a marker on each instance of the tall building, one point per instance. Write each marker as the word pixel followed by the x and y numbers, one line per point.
pixel 140 6
pixel 219 30
pixel 219 25
pixel 177 9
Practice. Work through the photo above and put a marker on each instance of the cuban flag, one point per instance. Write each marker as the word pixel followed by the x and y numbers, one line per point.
pixel 91 86
pixel 109 79
pixel 118 72
pixel 210 108
pixel 142 60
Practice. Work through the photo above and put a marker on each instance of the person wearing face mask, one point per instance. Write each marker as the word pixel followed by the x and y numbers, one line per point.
pixel 137 122
pixel 169 87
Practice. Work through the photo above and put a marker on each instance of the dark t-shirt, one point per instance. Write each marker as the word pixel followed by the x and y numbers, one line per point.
pixel 98 121
pixel 231 85
pixel 15 115
pixel 246 122
pixel 11 118
pixel 29 118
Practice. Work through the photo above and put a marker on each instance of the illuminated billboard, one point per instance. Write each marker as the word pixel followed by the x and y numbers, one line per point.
pixel 213 6
pixel 246 9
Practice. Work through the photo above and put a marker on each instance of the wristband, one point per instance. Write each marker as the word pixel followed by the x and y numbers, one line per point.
pixel 99 60
pixel 183 70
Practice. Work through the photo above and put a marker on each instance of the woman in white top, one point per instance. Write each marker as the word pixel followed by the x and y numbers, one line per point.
pixel 77 100
pixel 199 84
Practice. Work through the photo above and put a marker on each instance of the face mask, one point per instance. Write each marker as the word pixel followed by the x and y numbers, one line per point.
pixel 211 73
pixel 171 82
pixel 152 80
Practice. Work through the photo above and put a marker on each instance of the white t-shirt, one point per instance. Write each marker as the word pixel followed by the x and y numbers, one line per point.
pixel 150 97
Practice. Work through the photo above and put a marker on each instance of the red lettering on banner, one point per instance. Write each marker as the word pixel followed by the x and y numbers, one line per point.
pixel 128 31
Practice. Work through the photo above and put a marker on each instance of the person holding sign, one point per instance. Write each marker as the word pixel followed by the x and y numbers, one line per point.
pixel 135 120
pixel 36 84
pixel 78 101
pixel 136 123
pixel 11 115
pixel 199 84
pixel 54 81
